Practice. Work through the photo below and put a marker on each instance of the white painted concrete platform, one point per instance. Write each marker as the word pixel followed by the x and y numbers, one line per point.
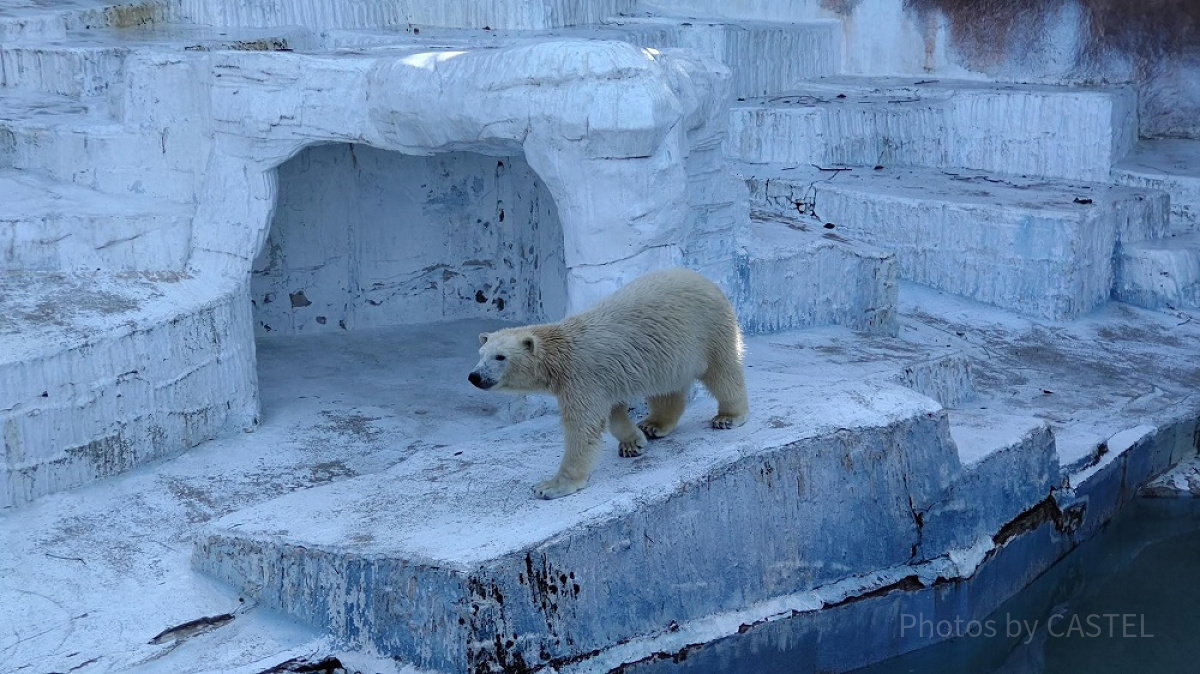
pixel 1075 133
pixel 346 404
pixel 82 141
pixel 1173 166
pixel 829 280
pixel 50 226
pixel 765 57
pixel 504 15
pixel 1160 273
pixel 447 562
pixel 102 372
pixel 1117 368
pixel 334 406
pixel 1032 245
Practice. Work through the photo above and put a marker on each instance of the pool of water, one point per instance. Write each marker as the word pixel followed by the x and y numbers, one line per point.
pixel 1128 600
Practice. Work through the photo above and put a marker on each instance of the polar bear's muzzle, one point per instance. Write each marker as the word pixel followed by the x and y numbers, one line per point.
pixel 480 381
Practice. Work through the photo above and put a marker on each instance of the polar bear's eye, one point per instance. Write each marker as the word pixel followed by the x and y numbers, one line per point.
pixel 501 357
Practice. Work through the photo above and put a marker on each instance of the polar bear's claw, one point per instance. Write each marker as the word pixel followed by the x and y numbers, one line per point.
pixel 630 450
pixel 557 487
pixel 651 429
pixel 726 421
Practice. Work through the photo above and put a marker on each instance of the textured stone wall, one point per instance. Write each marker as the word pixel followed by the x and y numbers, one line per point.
pixel 365 238
pixel 1153 44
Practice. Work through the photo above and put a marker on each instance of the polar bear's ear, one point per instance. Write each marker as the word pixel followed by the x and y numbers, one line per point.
pixel 483 338
pixel 529 343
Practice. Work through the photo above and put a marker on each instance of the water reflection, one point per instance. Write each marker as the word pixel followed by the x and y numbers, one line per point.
pixel 1126 601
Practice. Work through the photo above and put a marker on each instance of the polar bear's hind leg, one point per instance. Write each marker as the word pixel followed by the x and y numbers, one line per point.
pixel 665 411
pixel 725 381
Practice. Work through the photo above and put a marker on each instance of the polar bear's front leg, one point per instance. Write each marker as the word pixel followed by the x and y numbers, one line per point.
pixel 630 438
pixel 579 456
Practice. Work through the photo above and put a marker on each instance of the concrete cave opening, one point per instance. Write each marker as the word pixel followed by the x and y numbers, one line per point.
pixel 380 269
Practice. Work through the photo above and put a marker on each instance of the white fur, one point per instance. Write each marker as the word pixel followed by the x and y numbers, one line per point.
pixel 652 338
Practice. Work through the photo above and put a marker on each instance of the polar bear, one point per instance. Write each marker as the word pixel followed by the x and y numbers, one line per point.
pixel 652 338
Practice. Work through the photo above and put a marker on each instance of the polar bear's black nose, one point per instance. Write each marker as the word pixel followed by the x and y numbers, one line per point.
pixel 475 379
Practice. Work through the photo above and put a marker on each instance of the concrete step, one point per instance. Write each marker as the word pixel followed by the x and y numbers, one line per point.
pixel 1009 464
pixel 764 10
pixel 103 372
pixel 1160 273
pixel 31 21
pixel 462 570
pixel 335 14
pixel 1042 248
pixel 78 66
pixel 937 371
pixel 1074 133
pixel 765 58
pixel 1173 166
pixel 1142 360
pixel 829 280
pixel 91 61
pixel 1182 481
pixel 80 141
pixel 47 225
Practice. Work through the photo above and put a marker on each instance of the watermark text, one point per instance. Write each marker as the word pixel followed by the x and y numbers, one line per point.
pixel 1059 625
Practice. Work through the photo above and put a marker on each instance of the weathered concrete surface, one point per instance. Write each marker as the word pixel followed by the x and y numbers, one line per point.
pixel 505 14
pixel 1161 273
pixel 80 141
pixel 609 110
pixel 101 373
pixel 828 281
pixel 1009 462
pixel 447 562
pixel 765 57
pixel 344 404
pixel 1109 395
pixel 1076 133
pixel 1118 370
pixel 1181 481
pixel 1170 165
pixel 366 238
pixel 1039 247
pixel 34 20
pixel 334 406
pixel 50 226
pixel 1151 46
pixel 818 632
pixel 62 69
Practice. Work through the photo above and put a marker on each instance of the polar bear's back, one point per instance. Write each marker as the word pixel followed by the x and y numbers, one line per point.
pixel 658 333
pixel 676 295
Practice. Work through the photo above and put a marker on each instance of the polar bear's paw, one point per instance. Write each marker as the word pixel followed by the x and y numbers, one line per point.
pixel 632 448
pixel 557 487
pixel 727 421
pixel 653 429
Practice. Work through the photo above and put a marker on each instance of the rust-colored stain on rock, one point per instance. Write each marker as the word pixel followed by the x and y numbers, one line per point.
pixel 1147 28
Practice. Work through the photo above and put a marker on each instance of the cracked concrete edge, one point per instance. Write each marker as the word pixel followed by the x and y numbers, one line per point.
pixel 964 583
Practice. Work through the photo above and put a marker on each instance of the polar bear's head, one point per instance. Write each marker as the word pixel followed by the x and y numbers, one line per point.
pixel 508 361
